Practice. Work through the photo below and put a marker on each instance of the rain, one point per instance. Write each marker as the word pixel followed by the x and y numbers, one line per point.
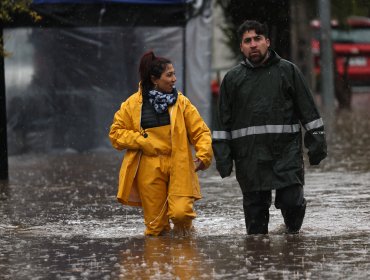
pixel 60 220
pixel 59 216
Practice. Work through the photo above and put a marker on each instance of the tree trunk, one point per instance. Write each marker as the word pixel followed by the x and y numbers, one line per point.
pixel 301 38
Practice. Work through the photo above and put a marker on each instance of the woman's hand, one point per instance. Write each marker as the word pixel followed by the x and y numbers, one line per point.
pixel 199 165
pixel 146 146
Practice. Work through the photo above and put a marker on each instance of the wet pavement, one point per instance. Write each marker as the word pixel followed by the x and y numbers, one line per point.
pixel 59 219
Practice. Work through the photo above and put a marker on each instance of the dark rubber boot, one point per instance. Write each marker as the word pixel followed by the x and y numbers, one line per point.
pixel 293 218
pixel 256 211
pixel 256 219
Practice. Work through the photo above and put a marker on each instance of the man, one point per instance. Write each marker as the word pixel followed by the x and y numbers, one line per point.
pixel 263 103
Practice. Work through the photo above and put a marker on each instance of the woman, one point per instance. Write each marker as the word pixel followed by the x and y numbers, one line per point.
pixel 156 125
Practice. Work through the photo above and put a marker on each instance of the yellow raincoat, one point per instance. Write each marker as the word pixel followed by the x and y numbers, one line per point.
pixel 187 128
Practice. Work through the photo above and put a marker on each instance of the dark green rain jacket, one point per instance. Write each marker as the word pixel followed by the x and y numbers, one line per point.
pixel 261 112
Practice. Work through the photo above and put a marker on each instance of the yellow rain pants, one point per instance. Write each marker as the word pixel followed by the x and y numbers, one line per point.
pixel 153 179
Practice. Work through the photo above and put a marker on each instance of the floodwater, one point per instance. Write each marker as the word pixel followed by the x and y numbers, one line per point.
pixel 59 219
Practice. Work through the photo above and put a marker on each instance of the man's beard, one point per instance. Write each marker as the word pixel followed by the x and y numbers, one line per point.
pixel 257 59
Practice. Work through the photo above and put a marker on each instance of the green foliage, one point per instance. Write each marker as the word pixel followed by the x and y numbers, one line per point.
pixel 233 9
pixel 9 8
pixel 341 9
pixel 229 29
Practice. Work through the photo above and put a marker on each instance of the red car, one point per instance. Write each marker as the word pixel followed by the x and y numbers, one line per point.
pixel 351 49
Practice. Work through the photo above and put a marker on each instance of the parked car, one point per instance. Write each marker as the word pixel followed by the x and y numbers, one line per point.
pixel 351 46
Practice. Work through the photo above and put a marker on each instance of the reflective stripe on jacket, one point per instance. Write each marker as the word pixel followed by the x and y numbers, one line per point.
pixel 187 128
pixel 260 114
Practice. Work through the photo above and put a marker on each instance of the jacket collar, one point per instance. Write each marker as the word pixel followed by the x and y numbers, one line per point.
pixel 140 93
pixel 172 110
pixel 272 59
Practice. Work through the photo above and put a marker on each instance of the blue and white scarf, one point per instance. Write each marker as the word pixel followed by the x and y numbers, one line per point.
pixel 160 101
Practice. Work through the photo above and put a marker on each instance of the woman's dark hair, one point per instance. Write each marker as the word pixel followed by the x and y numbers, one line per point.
pixel 151 65
pixel 259 28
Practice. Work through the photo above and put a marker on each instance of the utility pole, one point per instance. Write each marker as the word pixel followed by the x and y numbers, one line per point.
pixel 326 55
pixel 3 135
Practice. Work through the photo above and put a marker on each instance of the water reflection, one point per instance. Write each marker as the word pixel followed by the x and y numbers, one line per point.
pixel 4 190
pixel 348 135
pixel 59 219
pixel 164 258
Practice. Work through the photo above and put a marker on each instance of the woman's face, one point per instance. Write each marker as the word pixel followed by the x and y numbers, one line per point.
pixel 167 80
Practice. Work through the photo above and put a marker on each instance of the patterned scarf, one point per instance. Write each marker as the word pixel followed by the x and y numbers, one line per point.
pixel 160 101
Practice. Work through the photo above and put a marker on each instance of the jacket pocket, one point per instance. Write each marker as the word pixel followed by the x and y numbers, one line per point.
pixel 289 168
pixel 265 164
pixel 245 170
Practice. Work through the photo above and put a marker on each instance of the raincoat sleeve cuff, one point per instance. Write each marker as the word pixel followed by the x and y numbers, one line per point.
pixel 224 168
pixel 315 159
pixel 205 158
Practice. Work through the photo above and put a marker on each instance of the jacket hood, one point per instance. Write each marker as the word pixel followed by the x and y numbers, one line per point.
pixel 272 59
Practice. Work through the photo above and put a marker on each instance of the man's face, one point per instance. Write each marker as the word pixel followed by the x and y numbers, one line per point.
pixel 254 46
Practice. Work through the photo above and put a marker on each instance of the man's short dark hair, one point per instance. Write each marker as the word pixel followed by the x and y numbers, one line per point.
pixel 259 28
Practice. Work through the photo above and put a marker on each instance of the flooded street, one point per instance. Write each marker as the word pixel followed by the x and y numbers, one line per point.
pixel 59 219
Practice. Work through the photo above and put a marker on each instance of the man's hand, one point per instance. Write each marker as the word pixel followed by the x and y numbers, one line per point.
pixel 199 165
